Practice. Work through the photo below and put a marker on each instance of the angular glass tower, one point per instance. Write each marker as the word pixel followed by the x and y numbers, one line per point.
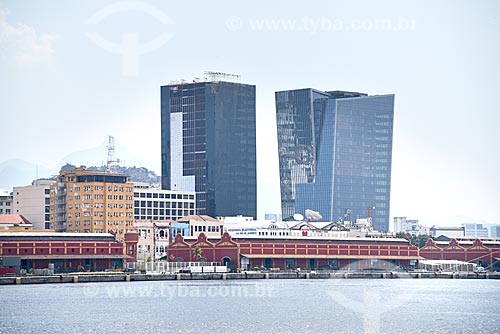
pixel 208 145
pixel 335 154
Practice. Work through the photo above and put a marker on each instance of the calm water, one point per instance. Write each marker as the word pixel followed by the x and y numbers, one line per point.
pixel 263 306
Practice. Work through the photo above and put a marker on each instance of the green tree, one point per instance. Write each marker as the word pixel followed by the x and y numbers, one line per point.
pixel 421 240
pixel 197 252
pixel 415 240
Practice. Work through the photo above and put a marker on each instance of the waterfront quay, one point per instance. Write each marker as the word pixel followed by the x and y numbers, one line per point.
pixel 132 277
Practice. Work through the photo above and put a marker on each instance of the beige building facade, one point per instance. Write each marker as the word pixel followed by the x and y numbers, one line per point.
pixel 153 239
pixel 85 201
pixel 211 227
pixel 33 202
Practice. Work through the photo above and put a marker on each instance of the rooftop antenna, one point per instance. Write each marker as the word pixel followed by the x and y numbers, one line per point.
pixel 112 162
pixel 220 76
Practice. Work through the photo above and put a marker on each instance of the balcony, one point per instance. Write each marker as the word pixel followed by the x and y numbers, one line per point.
pixel 60 226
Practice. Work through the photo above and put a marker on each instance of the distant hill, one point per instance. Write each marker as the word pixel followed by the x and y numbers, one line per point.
pixel 16 172
pixel 137 174
pixel 96 156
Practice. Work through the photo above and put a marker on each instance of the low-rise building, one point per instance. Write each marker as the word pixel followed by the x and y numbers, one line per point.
pixel 235 219
pixel 450 232
pixel 145 233
pixel 411 226
pixel 177 227
pixel 67 252
pixel 14 223
pixel 33 202
pixel 154 237
pixel 162 239
pixel 5 202
pixel 276 217
pixel 495 231
pixel 249 253
pixel 475 231
pixel 484 252
pixel 157 204
pixel 268 229
pixel 211 227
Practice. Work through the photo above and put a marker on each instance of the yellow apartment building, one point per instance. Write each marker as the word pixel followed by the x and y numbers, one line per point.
pixel 84 201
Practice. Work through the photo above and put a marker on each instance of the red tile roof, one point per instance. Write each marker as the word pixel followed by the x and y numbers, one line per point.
pixel 13 219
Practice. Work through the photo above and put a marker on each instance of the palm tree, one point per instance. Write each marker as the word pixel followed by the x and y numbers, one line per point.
pixel 197 252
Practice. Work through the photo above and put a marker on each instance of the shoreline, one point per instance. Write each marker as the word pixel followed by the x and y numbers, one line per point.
pixel 126 277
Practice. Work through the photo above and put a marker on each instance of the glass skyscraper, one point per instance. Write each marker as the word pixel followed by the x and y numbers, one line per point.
pixel 335 152
pixel 208 145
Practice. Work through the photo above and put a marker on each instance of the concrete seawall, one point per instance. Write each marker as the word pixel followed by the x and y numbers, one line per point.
pixel 124 277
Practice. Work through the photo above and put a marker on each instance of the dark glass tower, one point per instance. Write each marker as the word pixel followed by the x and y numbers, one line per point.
pixel 335 152
pixel 208 145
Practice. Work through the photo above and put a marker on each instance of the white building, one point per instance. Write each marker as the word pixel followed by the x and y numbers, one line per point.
pixel 33 202
pixel 450 232
pixel 235 219
pixel 153 237
pixel 157 204
pixel 161 238
pixel 495 231
pixel 475 231
pixel 411 226
pixel 211 227
pixel 5 202
pixel 276 217
pixel 267 229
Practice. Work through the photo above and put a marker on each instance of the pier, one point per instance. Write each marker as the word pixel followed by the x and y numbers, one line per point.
pixel 132 277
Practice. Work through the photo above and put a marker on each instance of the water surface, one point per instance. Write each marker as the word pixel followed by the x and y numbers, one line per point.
pixel 254 306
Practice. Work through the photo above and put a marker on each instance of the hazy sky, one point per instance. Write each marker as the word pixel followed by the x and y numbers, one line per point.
pixel 72 72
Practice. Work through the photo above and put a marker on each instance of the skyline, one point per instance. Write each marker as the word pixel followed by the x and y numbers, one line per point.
pixel 442 68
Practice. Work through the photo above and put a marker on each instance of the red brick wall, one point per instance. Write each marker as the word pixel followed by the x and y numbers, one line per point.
pixel 454 251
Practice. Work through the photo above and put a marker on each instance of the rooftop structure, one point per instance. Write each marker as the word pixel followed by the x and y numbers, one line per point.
pixel 451 232
pixel 302 230
pixel 50 235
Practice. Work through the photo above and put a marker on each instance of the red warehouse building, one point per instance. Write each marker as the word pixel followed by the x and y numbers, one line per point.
pixel 485 252
pixel 352 253
pixel 68 251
